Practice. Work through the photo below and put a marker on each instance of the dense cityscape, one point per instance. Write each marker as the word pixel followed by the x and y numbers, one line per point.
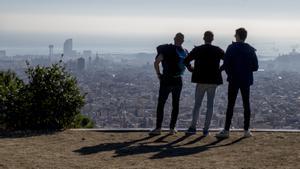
pixel 122 89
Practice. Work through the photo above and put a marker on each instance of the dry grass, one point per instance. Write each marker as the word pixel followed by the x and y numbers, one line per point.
pixel 91 149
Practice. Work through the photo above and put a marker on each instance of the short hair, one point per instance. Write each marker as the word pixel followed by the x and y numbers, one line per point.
pixel 179 34
pixel 208 36
pixel 242 33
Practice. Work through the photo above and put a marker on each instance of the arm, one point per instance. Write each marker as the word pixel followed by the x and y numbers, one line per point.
pixel 226 63
pixel 221 54
pixel 188 59
pixel 255 62
pixel 157 61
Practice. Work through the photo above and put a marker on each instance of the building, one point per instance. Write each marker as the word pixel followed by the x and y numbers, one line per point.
pixel 87 53
pixel 68 48
pixel 51 51
pixel 80 64
pixel 2 53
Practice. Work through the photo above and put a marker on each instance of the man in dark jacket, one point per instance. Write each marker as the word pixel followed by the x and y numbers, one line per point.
pixel 207 74
pixel 239 63
pixel 171 57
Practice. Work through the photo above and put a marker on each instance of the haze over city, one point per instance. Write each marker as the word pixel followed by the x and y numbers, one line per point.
pixel 92 84
pixel 116 26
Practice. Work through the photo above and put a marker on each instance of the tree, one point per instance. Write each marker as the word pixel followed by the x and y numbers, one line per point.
pixel 11 103
pixel 51 100
pixel 55 97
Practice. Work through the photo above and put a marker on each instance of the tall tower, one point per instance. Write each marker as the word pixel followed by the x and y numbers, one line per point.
pixel 68 47
pixel 50 51
pixel 80 64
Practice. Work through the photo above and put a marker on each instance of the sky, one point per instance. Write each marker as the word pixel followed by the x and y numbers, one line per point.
pixel 140 25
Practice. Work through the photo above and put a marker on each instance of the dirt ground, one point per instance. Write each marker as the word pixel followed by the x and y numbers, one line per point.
pixel 94 149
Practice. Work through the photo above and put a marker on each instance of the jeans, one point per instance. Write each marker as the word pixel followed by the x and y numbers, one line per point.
pixel 168 85
pixel 210 89
pixel 232 94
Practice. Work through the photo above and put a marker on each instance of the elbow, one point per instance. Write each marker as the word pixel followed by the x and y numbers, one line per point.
pixel 156 64
pixel 187 63
pixel 222 68
pixel 255 68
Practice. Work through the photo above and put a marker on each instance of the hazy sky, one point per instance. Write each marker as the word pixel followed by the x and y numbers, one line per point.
pixel 142 23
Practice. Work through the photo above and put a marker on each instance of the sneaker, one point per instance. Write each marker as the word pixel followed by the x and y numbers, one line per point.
pixel 247 133
pixel 155 132
pixel 172 131
pixel 191 131
pixel 223 134
pixel 205 133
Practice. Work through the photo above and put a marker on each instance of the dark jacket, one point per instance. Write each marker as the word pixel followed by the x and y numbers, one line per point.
pixel 239 63
pixel 207 64
pixel 173 57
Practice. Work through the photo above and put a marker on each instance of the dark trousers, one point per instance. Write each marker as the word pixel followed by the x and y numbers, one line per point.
pixel 167 86
pixel 232 94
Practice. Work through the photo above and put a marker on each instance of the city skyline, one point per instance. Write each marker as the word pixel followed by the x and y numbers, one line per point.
pixel 140 26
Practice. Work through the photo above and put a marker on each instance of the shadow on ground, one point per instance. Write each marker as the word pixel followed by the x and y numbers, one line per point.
pixel 162 148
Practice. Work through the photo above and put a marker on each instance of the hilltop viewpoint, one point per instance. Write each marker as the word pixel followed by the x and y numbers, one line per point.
pixel 98 149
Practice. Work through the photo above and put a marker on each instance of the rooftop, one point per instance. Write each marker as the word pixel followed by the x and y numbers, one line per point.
pixel 125 149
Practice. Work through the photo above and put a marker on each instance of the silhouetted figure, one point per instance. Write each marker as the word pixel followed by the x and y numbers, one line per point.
pixel 207 74
pixel 171 57
pixel 239 63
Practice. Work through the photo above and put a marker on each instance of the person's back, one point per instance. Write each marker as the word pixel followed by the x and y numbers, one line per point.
pixel 172 62
pixel 207 74
pixel 207 64
pixel 171 57
pixel 239 64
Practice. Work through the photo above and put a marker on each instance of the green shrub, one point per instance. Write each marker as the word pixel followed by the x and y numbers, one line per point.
pixel 81 121
pixel 11 102
pixel 51 100
pixel 55 97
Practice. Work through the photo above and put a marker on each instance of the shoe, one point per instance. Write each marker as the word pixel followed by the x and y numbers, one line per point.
pixel 172 131
pixel 155 132
pixel 247 133
pixel 191 131
pixel 223 134
pixel 205 132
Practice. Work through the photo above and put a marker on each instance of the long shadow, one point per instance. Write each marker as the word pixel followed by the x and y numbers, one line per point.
pixel 108 146
pixel 162 139
pixel 136 147
pixel 231 143
pixel 194 141
pixel 144 148
pixel 183 151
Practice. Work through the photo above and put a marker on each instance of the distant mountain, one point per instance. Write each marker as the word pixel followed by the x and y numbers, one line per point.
pixel 288 62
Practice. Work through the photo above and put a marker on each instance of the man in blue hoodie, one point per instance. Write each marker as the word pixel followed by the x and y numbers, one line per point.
pixel 240 62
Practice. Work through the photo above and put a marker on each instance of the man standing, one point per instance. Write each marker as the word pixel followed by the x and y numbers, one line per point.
pixel 239 63
pixel 207 75
pixel 171 57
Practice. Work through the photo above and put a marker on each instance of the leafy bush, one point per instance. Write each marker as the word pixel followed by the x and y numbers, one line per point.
pixel 55 97
pixel 82 121
pixel 51 100
pixel 11 103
